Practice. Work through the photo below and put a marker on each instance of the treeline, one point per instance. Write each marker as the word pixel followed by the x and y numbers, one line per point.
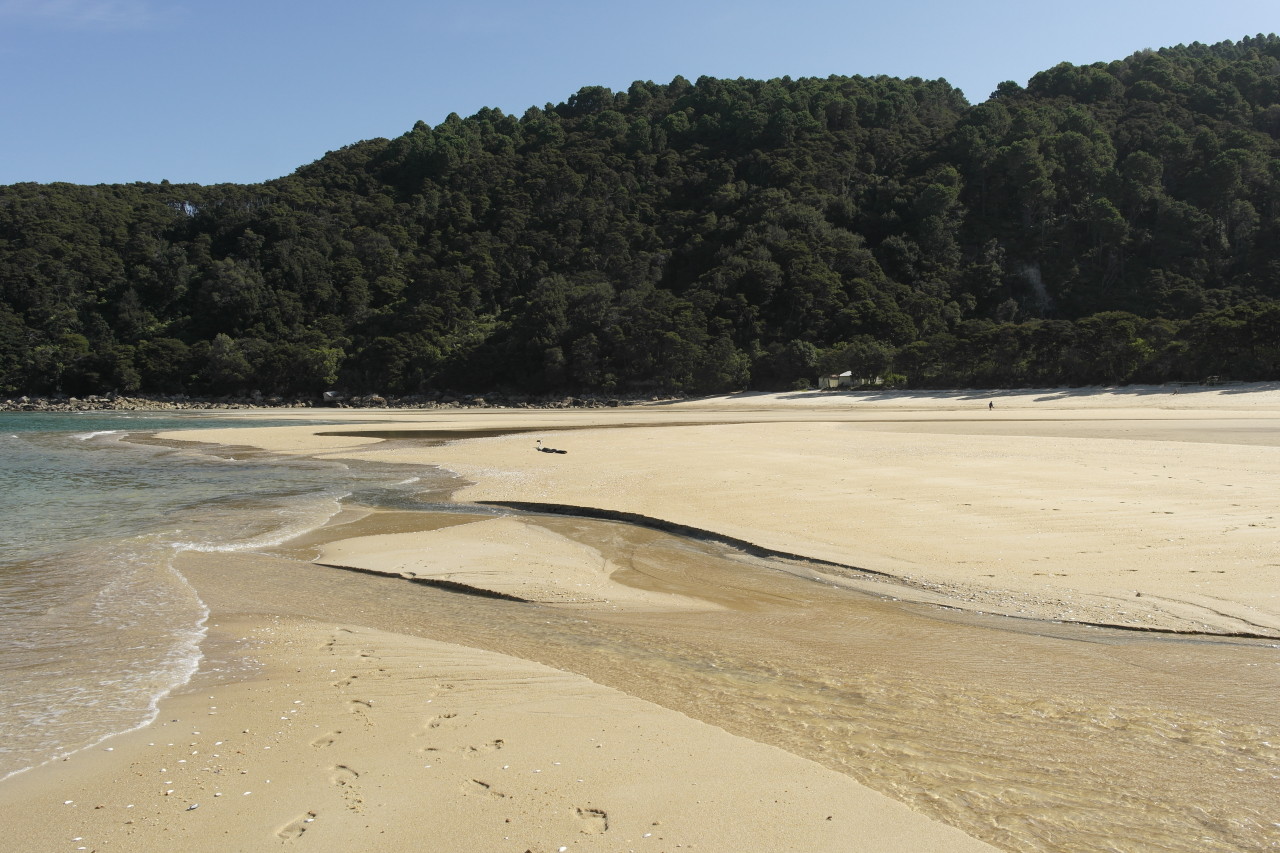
pixel 1117 222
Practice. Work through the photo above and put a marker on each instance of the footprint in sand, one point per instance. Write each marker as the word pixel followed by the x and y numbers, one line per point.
pixel 333 641
pixel 491 746
pixel 437 722
pixel 592 821
pixel 475 786
pixel 343 775
pixel 345 682
pixel 344 778
pixel 296 827
pixel 326 740
pixel 361 709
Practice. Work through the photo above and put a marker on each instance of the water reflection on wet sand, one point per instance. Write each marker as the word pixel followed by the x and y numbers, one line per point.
pixel 1033 736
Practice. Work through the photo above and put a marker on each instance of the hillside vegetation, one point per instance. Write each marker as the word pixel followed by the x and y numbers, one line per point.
pixel 1107 223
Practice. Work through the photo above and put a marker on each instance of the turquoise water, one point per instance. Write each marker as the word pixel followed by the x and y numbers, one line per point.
pixel 96 626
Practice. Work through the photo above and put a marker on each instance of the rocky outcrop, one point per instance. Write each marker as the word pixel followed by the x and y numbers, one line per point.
pixel 431 400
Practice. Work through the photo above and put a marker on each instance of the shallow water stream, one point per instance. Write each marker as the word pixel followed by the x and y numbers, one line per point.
pixel 1032 736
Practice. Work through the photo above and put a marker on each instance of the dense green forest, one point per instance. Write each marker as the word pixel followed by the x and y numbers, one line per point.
pixel 1109 223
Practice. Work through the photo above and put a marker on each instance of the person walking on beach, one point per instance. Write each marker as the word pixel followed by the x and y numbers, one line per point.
pixel 991 404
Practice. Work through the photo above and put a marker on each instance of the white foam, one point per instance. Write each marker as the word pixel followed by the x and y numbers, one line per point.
pixel 308 519
pixel 179 664
pixel 85 436
pixel 96 586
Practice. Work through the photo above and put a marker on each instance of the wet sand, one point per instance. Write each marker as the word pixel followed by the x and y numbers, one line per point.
pixel 377 730
pixel 357 732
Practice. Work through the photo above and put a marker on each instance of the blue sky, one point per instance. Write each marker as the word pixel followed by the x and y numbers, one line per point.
pixel 108 91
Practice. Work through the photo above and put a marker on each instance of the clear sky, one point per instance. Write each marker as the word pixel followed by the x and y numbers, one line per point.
pixel 207 91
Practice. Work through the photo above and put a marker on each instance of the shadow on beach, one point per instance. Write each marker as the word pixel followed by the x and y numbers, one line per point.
pixel 1008 395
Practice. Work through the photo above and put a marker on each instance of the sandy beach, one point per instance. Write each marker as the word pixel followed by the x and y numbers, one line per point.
pixel 1135 507
pixel 336 710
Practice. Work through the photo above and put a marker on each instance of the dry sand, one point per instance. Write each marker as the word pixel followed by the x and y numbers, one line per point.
pixel 1135 507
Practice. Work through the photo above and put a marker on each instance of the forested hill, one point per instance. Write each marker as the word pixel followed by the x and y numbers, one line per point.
pixel 1107 223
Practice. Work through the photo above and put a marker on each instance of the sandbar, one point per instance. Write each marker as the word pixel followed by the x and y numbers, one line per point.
pixel 1136 507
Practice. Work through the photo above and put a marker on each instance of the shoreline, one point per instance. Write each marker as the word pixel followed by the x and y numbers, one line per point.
pixel 341 736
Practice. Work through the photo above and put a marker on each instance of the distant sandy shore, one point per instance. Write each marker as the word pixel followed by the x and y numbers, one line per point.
pixel 1132 507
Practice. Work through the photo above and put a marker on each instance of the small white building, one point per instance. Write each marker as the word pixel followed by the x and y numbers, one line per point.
pixel 847 380
pixel 836 380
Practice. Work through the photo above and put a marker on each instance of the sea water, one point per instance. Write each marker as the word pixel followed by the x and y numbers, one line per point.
pixel 96 625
